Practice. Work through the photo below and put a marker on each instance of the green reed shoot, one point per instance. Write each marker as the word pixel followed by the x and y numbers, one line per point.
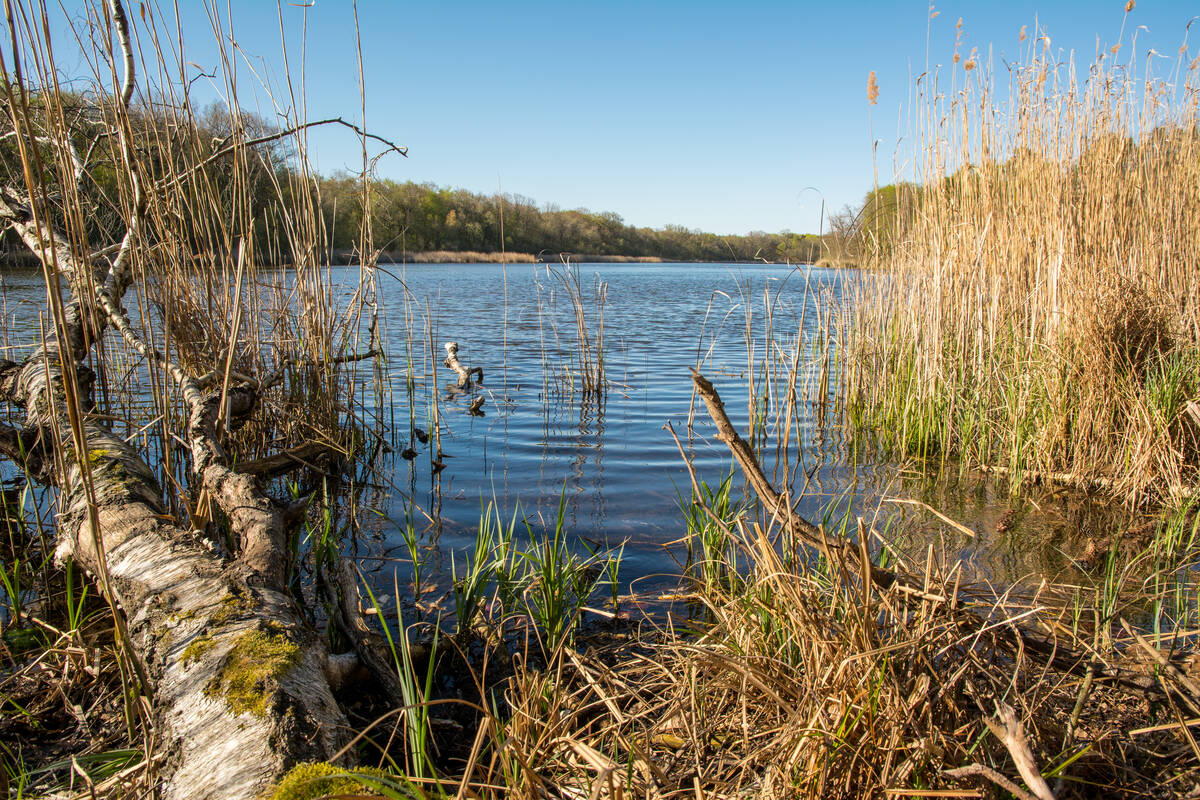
pixel 485 564
pixel 414 693
pixel 610 567
pixel 559 582
pixel 710 517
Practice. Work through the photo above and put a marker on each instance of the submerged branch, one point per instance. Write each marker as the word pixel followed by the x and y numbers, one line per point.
pixel 464 374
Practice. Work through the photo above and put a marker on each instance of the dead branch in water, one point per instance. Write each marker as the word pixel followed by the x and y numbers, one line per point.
pixel 464 374
pixel 953 603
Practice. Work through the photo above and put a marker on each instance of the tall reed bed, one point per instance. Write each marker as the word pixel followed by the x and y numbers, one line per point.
pixel 1034 305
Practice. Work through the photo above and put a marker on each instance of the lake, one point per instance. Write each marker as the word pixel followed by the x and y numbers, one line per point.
pixel 611 459
pixel 609 456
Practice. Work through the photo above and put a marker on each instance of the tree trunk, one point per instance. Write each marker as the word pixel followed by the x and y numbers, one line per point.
pixel 240 684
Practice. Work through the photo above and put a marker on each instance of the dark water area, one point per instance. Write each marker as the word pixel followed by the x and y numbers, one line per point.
pixel 609 457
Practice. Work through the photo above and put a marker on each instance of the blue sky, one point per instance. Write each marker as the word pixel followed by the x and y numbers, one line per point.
pixel 709 115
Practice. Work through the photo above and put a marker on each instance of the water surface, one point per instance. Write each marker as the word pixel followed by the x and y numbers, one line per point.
pixel 609 457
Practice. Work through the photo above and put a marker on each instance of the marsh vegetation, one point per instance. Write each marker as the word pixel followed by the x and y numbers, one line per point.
pixel 234 556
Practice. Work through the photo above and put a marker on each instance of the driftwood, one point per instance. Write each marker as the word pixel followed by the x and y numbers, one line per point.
pixel 1055 654
pixel 294 458
pixel 240 683
pixel 464 374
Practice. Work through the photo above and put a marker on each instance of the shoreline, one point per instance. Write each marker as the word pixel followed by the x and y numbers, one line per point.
pixel 475 257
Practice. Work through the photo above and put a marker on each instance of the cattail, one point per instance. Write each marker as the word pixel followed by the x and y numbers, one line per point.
pixel 1129 6
pixel 872 89
pixel 1021 35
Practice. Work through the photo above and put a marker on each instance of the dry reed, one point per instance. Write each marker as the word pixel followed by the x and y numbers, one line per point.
pixel 1035 304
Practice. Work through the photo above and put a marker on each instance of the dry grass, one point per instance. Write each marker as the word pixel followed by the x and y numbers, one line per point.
pixel 1040 309
pixel 809 684
pixel 459 257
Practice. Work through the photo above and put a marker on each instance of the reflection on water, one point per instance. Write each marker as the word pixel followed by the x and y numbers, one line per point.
pixel 619 470
pixel 609 457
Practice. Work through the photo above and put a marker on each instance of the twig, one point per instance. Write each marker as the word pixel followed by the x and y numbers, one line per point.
pixel 1012 734
pixel 979 770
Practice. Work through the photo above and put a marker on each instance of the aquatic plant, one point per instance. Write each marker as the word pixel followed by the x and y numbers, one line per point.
pixel 1032 308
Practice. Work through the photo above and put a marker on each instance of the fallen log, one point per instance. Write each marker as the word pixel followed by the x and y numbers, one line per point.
pixel 238 677
pixel 241 684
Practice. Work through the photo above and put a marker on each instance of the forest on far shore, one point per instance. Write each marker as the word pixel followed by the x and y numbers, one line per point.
pixel 409 217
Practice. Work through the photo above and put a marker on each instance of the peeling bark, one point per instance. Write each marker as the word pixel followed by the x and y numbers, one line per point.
pixel 241 684
pixel 186 609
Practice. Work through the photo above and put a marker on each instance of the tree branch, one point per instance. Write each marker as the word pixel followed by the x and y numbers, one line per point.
pixel 228 147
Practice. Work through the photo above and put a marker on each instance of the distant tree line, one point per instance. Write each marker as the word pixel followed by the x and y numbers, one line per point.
pixel 419 217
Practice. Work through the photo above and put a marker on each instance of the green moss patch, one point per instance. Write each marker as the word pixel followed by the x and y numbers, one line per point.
pixel 314 781
pixel 252 671
pixel 199 646
pixel 232 605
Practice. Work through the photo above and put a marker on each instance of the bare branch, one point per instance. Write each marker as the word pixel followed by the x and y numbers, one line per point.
pixel 979 770
pixel 64 142
pixel 228 146
pixel 120 274
pixel 1012 734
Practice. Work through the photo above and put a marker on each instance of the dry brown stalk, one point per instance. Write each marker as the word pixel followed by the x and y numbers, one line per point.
pixel 1059 655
